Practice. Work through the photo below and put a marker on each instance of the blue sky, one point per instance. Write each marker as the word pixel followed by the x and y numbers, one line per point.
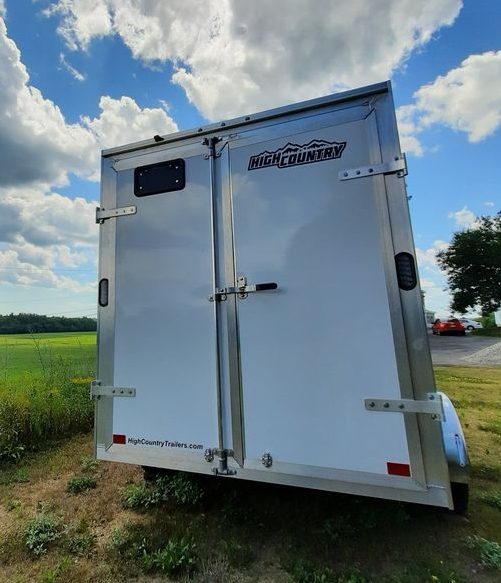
pixel 79 75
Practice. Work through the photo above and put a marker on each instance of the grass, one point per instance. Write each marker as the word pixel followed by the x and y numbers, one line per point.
pixel 207 529
pixel 44 389
pixel 493 332
pixel 22 354
pixel 476 393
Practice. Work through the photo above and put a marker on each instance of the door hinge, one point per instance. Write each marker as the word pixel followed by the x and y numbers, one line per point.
pixel 99 390
pixel 211 143
pixel 103 214
pixel 432 406
pixel 397 166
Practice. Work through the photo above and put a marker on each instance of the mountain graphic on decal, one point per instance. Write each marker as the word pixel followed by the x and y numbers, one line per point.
pixel 298 154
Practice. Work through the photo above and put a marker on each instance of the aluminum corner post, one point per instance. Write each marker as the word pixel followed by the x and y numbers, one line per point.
pixel 103 424
pixel 418 352
pixel 232 331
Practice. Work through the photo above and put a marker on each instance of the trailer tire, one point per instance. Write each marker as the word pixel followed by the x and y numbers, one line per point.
pixel 460 495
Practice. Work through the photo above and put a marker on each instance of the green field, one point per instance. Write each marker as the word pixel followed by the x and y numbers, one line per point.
pixel 32 354
pixel 44 389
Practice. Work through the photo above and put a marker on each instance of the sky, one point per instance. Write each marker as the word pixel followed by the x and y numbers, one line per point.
pixel 77 76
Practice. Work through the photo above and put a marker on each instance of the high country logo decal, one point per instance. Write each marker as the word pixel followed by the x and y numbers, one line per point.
pixel 295 155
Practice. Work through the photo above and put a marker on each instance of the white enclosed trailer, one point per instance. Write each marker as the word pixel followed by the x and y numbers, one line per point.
pixel 260 316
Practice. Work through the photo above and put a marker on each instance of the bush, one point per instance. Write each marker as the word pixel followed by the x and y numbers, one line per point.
pixel 41 532
pixel 81 544
pixel 304 572
pixel 490 551
pixel 89 464
pixel 43 409
pixel 184 491
pixel 176 556
pixel 493 499
pixel 178 487
pixel 79 484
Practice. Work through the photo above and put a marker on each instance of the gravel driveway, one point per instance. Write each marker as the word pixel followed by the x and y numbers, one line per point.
pixel 465 350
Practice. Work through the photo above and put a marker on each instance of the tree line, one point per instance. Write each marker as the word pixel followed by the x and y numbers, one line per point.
pixel 37 323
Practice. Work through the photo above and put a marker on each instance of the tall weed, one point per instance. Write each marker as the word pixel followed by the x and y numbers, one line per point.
pixel 38 408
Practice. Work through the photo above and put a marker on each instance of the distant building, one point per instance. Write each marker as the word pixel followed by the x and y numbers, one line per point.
pixel 429 316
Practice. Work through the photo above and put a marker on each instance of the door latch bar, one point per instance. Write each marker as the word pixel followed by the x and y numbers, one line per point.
pixel 432 406
pixel 221 293
pixel 397 166
pixel 103 214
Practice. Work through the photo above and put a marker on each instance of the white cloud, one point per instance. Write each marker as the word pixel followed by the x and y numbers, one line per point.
pixel 47 232
pixel 42 231
pixel 433 282
pixel 93 21
pixel 122 121
pixel 14 270
pixel 463 218
pixel 437 298
pixel 489 204
pixel 235 57
pixel 40 148
pixel 466 99
pixel 407 130
pixel 427 258
pixel 37 144
pixel 71 70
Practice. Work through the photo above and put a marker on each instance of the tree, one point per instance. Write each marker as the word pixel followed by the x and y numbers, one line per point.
pixel 472 264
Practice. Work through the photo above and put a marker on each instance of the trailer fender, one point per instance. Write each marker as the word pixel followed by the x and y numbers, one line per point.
pixel 456 453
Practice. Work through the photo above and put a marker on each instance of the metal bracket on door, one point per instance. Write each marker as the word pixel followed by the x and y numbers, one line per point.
pixel 433 406
pixel 99 390
pixel 397 166
pixel 242 290
pixel 103 214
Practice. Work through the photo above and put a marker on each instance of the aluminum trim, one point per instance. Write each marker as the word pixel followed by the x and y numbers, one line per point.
pixel 397 324
pixel 215 284
pixel 334 99
pixel 103 409
pixel 348 482
pixel 429 433
pixel 236 401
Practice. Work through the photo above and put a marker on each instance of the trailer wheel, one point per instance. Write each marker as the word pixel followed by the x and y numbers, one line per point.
pixel 460 495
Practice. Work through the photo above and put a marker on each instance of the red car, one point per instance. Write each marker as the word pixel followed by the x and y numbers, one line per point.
pixel 452 326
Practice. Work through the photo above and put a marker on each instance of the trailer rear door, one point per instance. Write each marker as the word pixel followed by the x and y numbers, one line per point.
pixel 325 340
pixel 164 331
